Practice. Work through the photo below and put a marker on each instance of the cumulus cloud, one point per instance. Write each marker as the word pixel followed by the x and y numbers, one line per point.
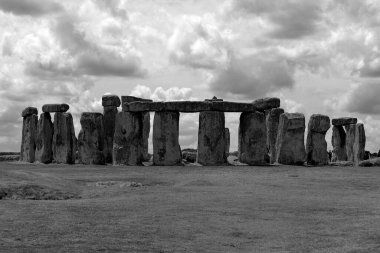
pixel 160 94
pixel 363 98
pixel 30 7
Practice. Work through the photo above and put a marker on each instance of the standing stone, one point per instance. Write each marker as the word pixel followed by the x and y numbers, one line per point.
pixel 29 134
pixel 110 104
pixel 290 147
pixel 272 122
pixel 252 138
pixel 128 139
pixel 91 139
pixel 316 145
pixel 166 149
pixel 350 140
pixel 338 141
pixel 64 140
pixel 44 143
pixel 227 138
pixel 359 143
pixel 211 138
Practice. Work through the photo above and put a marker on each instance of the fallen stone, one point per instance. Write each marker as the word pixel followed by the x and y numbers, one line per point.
pixel 370 162
pixel 109 118
pixel 55 108
pixel 263 104
pixel 252 138
pixel 344 121
pixel 29 136
pixel 166 149
pixel 316 145
pixel 128 139
pixel 110 100
pixel 338 141
pixel 350 140
pixel 272 122
pixel 211 139
pixel 290 147
pixel 29 111
pixel 91 139
pixel 359 143
pixel 44 142
pixel 189 156
pixel 227 138
pixel 64 140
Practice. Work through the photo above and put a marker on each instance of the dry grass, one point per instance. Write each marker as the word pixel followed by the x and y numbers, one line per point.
pixel 192 209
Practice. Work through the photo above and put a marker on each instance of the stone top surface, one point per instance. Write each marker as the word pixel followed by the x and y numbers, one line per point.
pixel 129 99
pixel 319 123
pixel 344 121
pixel 111 100
pixel 29 111
pixel 55 108
pixel 189 106
pixel 263 104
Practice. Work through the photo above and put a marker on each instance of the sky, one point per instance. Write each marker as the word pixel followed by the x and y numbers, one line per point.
pixel 316 56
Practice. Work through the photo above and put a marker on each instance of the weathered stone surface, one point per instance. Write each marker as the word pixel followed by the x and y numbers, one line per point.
pixel 29 111
pixel 64 140
pixel 128 147
pixel 344 121
pixel 111 100
pixel 338 141
pixel 91 139
pixel 109 118
pixel 189 156
pixel 166 149
pixel 370 162
pixel 55 108
pixel 227 138
pixel 211 139
pixel 316 145
pixel 252 138
pixel 350 139
pixel 29 136
pixel 125 100
pixel 290 147
pixel 263 104
pixel 359 143
pixel 189 106
pixel 44 143
pixel 272 122
pixel 146 130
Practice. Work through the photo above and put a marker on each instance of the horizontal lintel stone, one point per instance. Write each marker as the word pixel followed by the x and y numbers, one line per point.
pixel 55 108
pixel 344 121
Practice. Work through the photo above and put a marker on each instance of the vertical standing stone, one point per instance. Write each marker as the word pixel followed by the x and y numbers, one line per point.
pixel 128 139
pixel 272 121
pixel 91 139
pixel 227 138
pixel 29 134
pixel 166 149
pixel 45 130
pixel 110 104
pixel 359 143
pixel 252 138
pixel 290 147
pixel 64 140
pixel 316 145
pixel 338 141
pixel 350 140
pixel 211 138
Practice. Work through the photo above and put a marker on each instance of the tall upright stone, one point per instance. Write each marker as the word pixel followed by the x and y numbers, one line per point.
pixel 91 139
pixel 128 139
pixel 350 140
pixel 290 147
pixel 64 140
pixel 211 138
pixel 338 141
pixel 359 143
pixel 272 122
pixel 252 138
pixel 166 149
pixel 227 138
pixel 316 145
pixel 44 143
pixel 29 134
pixel 110 104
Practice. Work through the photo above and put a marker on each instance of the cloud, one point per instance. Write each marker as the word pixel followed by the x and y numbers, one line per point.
pixel 160 94
pixel 363 98
pixel 198 43
pixel 30 7
pixel 253 76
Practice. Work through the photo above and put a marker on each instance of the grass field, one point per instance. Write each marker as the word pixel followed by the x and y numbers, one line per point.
pixel 192 209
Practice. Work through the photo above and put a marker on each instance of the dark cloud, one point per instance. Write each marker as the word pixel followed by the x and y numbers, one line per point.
pixel 371 67
pixel 30 7
pixel 291 19
pixel 252 77
pixel 364 98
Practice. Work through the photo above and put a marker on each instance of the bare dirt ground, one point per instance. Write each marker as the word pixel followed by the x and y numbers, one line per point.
pixel 188 209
